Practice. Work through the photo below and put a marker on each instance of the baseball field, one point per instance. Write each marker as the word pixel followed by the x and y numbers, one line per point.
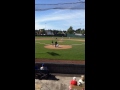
pixel 68 48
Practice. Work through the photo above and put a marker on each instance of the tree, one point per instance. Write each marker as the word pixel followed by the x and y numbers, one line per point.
pixel 42 31
pixel 55 31
pixel 65 31
pixel 60 32
pixel 78 30
pixel 70 30
pixel 83 31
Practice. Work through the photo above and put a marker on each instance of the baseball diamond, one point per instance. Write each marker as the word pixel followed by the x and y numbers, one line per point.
pixel 72 49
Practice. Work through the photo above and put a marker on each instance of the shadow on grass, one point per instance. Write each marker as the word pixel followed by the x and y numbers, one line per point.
pixel 53 54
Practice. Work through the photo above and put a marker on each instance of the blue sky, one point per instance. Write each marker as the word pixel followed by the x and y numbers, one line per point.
pixel 59 19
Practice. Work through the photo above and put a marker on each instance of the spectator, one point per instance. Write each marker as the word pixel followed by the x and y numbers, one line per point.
pixel 70 87
pixel 43 67
pixel 73 82
pixel 81 80
pixel 44 71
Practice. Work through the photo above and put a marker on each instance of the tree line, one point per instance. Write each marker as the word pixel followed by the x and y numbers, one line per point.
pixel 70 30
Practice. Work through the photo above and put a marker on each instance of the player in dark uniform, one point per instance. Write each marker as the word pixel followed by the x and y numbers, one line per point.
pixel 52 42
pixel 56 43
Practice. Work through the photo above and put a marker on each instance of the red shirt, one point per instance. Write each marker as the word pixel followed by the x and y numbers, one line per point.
pixel 73 82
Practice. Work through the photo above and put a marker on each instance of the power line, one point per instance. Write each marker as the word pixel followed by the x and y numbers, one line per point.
pixel 61 3
pixel 60 8
pixel 76 5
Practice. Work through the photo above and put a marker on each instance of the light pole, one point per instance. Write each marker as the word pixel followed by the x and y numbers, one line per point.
pixel 80 25
pixel 45 25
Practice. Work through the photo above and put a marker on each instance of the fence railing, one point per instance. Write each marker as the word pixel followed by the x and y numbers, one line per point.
pixel 64 68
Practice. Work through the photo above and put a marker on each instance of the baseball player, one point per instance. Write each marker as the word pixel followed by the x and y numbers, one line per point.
pixel 52 42
pixel 56 44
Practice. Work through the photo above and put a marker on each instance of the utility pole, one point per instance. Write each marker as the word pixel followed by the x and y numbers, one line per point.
pixel 80 26
pixel 45 25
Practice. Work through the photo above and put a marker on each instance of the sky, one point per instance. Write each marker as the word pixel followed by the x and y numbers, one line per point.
pixel 57 18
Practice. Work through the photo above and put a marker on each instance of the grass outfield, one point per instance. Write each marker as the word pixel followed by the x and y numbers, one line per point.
pixel 77 52
pixel 44 37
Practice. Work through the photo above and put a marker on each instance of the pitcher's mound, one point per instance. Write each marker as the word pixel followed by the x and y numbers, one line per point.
pixel 59 47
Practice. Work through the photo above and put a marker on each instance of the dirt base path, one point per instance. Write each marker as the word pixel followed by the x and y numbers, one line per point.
pixel 60 61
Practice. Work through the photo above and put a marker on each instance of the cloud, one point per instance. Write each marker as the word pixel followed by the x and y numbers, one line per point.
pixel 64 18
pixel 44 26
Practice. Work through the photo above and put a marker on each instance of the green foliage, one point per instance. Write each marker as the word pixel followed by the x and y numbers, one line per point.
pixel 78 31
pixel 83 31
pixel 70 30
pixel 42 31
pixel 60 32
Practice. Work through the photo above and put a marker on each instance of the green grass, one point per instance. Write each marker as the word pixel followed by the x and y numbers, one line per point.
pixel 77 52
pixel 59 37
